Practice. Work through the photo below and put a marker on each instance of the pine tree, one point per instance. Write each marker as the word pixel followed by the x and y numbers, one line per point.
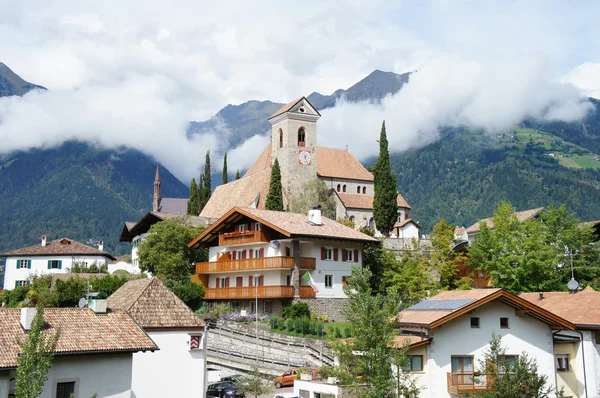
pixel 225 169
pixel 237 175
pixel 206 190
pixel 385 206
pixel 194 200
pixel 275 196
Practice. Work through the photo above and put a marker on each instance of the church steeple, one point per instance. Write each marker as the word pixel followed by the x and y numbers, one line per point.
pixel 156 203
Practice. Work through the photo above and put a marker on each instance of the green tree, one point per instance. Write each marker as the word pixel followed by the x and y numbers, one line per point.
pixel 510 377
pixel 189 292
pixel 377 259
pixel 206 190
pixel 37 353
pixel 385 205
pixel 314 193
pixel 165 252
pixel 274 199
pixel 366 364
pixel 194 200
pixel 225 168
pixel 237 175
pixel 254 384
pixel 444 260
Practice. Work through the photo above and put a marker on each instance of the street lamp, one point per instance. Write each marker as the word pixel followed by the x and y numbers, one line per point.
pixel 256 312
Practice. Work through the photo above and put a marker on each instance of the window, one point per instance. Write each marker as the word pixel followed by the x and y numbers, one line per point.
pixel 338 187
pixel 344 188
pixel 288 280
pixel 462 364
pixel 414 363
pixel 364 190
pixel 259 253
pixel 372 223
pixel 242 227
pixel 352 218
pixel 562 363
pixel 257 226
pixel 280 138
pixel 328 280
pixel 503 323
pixel 54 264
pixel 474 322
pixel 510 362
pixel 64 390
pixel 301 137
pixel 358 189
pixel 23 263
pixel 348 255
pixel 20 283
pixel 328 253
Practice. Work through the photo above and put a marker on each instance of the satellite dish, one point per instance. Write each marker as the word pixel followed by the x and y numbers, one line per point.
pixel 275 244
pixel 82 302
pixel 573 285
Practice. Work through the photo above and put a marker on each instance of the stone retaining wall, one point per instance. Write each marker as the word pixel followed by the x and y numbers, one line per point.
pixel 333 307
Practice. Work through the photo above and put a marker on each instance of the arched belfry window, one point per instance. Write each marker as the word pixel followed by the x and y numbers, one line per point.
pixel 358 189
pixel 280 138
pixel 301 137
pixel 344 188
pixel 365 190
pixel 338 188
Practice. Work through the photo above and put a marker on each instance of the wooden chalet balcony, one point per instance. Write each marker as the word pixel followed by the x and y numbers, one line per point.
pixel 250 292
pixel 238 238
pixel 459 383
pixel 250 264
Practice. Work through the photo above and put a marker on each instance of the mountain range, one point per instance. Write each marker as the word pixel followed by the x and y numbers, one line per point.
pixel 86 192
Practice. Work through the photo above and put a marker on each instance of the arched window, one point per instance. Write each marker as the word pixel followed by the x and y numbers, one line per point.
pixel 301 137
pixel 358 189
pixel 364 190
pixel 372 223
pixel 338 188
pixel 344 188
pixel 351 218
pixel 280 138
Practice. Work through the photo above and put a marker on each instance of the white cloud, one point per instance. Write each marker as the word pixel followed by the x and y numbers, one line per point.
pixel 586 77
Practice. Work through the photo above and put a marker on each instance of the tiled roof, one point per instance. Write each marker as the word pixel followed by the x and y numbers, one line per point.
pixel 413 341
pixel 340 163
pixel 446 306
pixel 521 216
pixel 289 224
pixel 354 201
pixel 459 230
pixel 173 206
pixel 400 224
pixel 581 308
pixel 81 331
pixel 64 246
pixel 263 162
pixel 286 107
pixel 130 224
pixel 152 218
pixel 401 201
pixel 153 305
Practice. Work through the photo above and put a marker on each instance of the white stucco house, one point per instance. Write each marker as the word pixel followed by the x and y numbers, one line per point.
pixel 269 256
pixel 576 352
pixel 50 257
pixel 179 368
pixel 93 356
pixel 455 328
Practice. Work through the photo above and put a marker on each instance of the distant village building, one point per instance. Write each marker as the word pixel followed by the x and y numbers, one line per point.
pixel 94 353
pixel 294 144
pixel 50 257
pixel 178 369
pixel 270 257
pixel 522 216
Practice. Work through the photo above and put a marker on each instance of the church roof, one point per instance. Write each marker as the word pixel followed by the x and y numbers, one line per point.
pixel 262 163
pixel 353 201
pixel 290 105
pixel 173 205
pixel 340 163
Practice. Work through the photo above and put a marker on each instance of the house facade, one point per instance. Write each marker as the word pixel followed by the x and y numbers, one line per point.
pixel 50 257
pixel 94 354
pixel 177 331
pixel 456 328
pixel 271 257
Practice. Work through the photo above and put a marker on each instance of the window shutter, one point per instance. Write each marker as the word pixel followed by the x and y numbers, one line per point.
pixel 262 252
pixel 251 253
pixel 59 264
pixel 227 282
pixel 251 227
pixel 18 264
pixel 243 254
pixel 355 256
pixel 250 280
pixel 344 255
pixel 29 264
pixel 218 282
pixel 234 255
pixel 261 280
pixel 323 253
pixel 16 283
pixel 335 254
pixel 49 264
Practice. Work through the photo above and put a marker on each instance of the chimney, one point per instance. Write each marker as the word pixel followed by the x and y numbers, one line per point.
pixel 314 215
pixel 541 296
pixel 27 315
pixel 43 240
pixel 97 302
pixel 101 245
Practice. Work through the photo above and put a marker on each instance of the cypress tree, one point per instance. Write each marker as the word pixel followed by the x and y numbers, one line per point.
pixel 275 196
pixel 237 175
pixel 206 190
pixel 385 206
pixel 225 169
pixel 194 200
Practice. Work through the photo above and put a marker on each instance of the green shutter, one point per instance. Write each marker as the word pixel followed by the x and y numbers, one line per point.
pixel 49 264
pixel 18 264
pixel 29 264
pixel 59 264
pixel 16 283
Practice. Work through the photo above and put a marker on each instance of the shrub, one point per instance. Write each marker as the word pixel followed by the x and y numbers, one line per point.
pixel 337 333
pixel 298 325
pixel 293 311
pixel 289 324
pixel 12 298
pixel 189 292
pixel 347 333
pixel 273 322
pixel 213 311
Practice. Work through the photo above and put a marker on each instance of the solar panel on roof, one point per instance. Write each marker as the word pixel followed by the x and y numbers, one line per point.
pixel 440 305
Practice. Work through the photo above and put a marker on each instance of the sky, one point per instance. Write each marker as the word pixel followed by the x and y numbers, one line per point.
pixel 135 73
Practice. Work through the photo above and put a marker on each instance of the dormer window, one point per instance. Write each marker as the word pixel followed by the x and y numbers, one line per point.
pixel 301 137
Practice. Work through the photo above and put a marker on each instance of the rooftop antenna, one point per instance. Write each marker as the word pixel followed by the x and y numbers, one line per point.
pixel 573 285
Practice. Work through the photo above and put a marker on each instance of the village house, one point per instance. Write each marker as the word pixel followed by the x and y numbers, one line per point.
pixel 455 328
pixel 93 355
pixel 271 257
pixel 576 352
pixel 522 216
pixel 50 257
pixel 294 145
pixel 179 368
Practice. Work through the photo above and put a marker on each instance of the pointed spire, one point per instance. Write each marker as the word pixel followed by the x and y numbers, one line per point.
pixel 157 178
pixel 156 202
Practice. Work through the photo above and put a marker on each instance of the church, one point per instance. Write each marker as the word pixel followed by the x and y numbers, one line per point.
pixel 294 144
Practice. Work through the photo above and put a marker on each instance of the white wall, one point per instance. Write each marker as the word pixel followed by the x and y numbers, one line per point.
pixel 173 371
pixel 409 231
pixel 122 265
pixel 135 259
pixel 313 387
pixel 105 375
pixel 39 266
pixel 457 338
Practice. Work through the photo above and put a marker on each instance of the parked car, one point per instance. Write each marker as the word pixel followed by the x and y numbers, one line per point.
pixel 223 389
pixel 233 378
pixel 286 379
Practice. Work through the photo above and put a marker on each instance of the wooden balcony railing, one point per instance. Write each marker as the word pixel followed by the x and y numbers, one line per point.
pixel 238 238
pixel 250 264
pixel 250 292
pixel 458 383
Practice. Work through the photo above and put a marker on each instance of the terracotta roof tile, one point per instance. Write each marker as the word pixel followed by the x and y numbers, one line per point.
pixel 82 331
pixel 581 308
pixel 286 107
pixel 521 216
pixel 62 246
pixel 263 162
pixel 401 201
pixel 401 341
pixel 353 201
pixel 153 305
pixel 340 163
pixel 400 224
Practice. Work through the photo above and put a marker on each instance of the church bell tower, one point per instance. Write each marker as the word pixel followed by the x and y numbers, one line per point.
pixel 156 203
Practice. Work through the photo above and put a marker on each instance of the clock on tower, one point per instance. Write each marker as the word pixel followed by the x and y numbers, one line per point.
pixel 304 157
